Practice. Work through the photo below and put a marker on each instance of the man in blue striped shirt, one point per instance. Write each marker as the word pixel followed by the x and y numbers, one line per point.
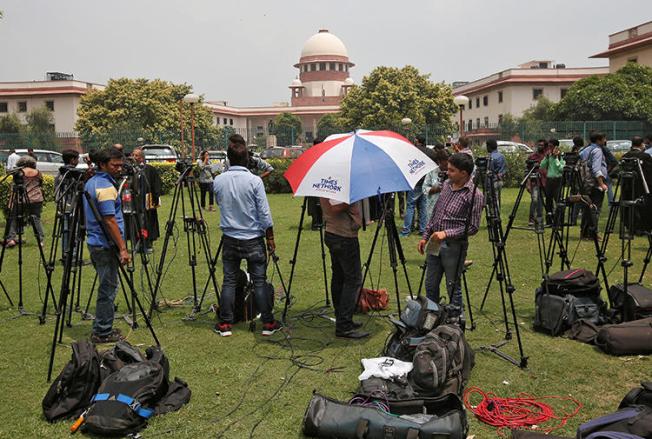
pixel 595 159
pixel 246 222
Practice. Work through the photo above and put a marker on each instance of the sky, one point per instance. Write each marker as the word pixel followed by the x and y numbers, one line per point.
pixel 244 51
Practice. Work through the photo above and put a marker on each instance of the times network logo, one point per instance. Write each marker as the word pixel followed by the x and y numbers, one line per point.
pixel 327 184
pixel 415 165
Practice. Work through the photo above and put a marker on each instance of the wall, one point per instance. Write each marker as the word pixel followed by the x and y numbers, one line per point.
pixel 643 56
pixel 65 109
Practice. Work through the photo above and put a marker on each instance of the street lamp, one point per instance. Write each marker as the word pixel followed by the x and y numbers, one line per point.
pixel 192 99
pixel 461 101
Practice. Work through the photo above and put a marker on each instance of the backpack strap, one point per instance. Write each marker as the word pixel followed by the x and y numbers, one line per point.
pixel 134 404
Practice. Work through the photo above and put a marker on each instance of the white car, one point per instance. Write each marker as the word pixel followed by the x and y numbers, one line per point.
pixel 159 153
pixel 511 147
pixel 48 162
pixel 619 145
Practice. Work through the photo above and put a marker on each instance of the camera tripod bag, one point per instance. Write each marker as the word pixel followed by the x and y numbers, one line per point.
pixel 627 338
pixel 432 418
pixel 635 304
pixel 576 282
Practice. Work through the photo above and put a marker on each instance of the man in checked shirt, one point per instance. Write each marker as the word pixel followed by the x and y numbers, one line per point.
pixel 457 203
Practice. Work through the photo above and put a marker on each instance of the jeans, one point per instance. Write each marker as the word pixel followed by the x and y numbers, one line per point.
pixel 415 198
pixel 206 188
pixel 347 278
pixel 590 216
pixel 536 204
pixel 552 192
pixel 106 266
pixel 34 211
pixel 254 252
pixel 445 263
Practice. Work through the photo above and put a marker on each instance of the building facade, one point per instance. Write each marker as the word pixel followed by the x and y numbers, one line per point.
pixel 515 90
pixel 630 45
pixel 60 96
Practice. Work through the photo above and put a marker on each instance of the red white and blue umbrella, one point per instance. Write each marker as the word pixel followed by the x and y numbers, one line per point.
pixel 353 166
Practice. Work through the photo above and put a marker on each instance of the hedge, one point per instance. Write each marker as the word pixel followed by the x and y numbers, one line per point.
pixel 169 176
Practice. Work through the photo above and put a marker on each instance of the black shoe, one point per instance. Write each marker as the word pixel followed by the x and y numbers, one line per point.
pixel 112 337
pixel 357 325
pixel 351 334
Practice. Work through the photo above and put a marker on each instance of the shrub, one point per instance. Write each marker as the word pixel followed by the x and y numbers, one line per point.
pixel 276 183
pixel 169 176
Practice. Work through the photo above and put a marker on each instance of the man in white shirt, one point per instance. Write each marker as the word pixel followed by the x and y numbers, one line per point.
pixel 12 159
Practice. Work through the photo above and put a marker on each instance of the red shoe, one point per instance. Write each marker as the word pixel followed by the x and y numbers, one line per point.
pixel 224 329
pixel 271 328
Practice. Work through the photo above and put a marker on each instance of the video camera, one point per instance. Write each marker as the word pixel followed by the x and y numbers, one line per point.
pixel 183 165
pixel 571 158
pixel 531 164
pixel 481 163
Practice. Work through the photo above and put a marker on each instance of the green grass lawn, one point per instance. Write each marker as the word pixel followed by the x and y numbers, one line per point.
pixel 247 383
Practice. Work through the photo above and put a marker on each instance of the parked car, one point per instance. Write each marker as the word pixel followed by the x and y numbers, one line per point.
pixel 159 153
pixel 619 145
pixel 281 152
pixel 217 157
pixel 48 162
pixel 566 145
pixel 511 147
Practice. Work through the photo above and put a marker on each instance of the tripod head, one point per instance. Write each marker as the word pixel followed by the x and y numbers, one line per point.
pixel 17 174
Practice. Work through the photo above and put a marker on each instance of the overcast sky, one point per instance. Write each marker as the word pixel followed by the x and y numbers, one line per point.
pixel 243 51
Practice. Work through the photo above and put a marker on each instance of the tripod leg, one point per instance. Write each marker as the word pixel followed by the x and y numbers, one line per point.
pixel 4 290
pixel 379 225
pixel 293 261
pixel 646 261
pixel 468 299
pixel 391 247
pixel 90 297
pixel 401 255
pixel 423 268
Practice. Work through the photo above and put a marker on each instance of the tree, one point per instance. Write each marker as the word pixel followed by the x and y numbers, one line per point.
pixel 389 94
pixel 10 124
pixel 543 111
pixel 39 132
pixel 509 127
pixel 329 124
pixel 130 108
pixel 287 128
pixel 624 95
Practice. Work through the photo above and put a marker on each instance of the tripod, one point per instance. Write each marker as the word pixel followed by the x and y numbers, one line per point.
pixel 65 286
pixel 532 179
pixel 486 177
pixel 394 246
pixel 195 229
pixel 17 216
pixel 293 261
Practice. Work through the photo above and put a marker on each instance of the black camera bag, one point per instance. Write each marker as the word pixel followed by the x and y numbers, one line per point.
pixel 556 314
pixel 432 418
pixel 635 304
pixel 116 358
pixel 71 392
pixel 638 396
pixel 627 338
pixel 576 281
pixel 245 307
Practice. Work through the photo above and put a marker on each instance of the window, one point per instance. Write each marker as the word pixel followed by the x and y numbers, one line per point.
pixel 485 101
pixel 477 123
pixel 470 104
pixel 564 92
pixel 313 67
pixel 500 97
pixel 340 67
pixel 537 93
pixel 49 105
pixel 224 120
pixel 477 102
pixel 470 125
pixel 217 121
pixel 486 122
pixel 230 121
pixel 22 107
pixel 633 59
pixel 332 66
pixel 3 107
pixel 322 66
pixel 500 118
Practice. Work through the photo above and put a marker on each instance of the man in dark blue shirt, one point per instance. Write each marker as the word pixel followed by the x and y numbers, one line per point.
pixel 103 192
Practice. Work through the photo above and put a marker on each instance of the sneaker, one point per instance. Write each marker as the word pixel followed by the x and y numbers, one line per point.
pixel 351 334
pixel 112 337
pixel 224 329
pixel 270 328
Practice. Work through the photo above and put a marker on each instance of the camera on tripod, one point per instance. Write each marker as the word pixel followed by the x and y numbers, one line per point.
pixel 571 158
pixel 531 164
pixel 183 165
pixel 481 163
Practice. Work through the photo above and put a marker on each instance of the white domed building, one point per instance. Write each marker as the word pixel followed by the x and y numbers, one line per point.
pixel 322 82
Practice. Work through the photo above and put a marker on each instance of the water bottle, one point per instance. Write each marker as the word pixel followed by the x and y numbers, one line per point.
pixel 127 201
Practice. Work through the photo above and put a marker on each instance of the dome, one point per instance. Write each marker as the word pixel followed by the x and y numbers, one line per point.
pixel 296 83
pixel 324 43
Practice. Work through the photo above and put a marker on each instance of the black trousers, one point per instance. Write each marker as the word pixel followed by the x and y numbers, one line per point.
pixel 206 188
pixel 590 216
pixel 347 278
pixel 552 191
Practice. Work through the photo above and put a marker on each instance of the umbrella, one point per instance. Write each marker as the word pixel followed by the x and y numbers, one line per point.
pixel 350 167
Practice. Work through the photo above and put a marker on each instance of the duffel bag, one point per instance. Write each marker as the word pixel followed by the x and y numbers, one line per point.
pixel 635 304
pixel 638 396
pixel 409 419
pixel 636 420
pixel 576 281
pixel 556 314
pixel 627 338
